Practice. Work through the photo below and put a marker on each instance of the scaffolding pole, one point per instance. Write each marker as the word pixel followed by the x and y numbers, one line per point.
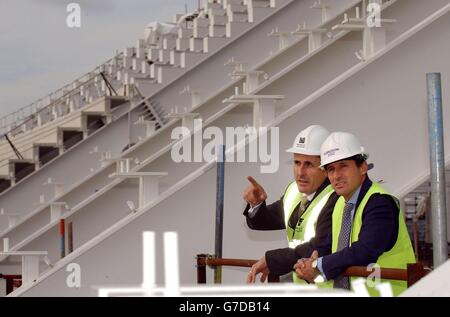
pixel 219 210
pixel 437 167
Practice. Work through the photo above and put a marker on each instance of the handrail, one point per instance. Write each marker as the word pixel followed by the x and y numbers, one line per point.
pixel 204 260
pixel 5 120
pixel 54 102
pixel 6 157
pixel 413 273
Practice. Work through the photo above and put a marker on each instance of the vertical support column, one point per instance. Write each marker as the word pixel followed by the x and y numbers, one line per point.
pixel 250 11
pixel 324 9
pixel 283 38
pixel 70 237
pixel 9 285
pixel 314 41
pixel 148 189
pixel 39 118
pixel 374 32
pixel 37 163
pixel 123 165
pixel 171 266
pixel 437 165
pixel 159 77
pixel 140 47
pixel 263 112
pixel 195 98
pixel 220 188
pixel 201 269
pixel 150 128
pixel 263 107
pixel 12 173
pixel 374 39
pixel 30 268
pixel 183 60
pixel 5 244
pixel 148 186
pixel 252 80
pixel 105 158
pixel 314 36
pixel 188 121
pixel 12 218
pixel 58 187
pixel 62 233
pixel 148 261
pixel 56 209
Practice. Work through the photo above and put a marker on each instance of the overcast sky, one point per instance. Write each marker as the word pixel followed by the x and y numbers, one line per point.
pixel 39 53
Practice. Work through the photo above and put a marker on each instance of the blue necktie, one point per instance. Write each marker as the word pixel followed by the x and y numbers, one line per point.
pixel 344 239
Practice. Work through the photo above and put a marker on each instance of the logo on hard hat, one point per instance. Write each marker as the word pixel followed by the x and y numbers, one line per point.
pixel 331 152
pixel 301 142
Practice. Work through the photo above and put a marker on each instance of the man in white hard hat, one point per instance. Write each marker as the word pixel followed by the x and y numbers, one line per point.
pixel 368 225
pixel 304 210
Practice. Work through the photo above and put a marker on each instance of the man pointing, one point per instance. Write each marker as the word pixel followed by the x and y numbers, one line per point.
pixel 304 210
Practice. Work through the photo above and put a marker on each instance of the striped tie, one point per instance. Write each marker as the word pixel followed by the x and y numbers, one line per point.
pixel 303 205
pixel 344 239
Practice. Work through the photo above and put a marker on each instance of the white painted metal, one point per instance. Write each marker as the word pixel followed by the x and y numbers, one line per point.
pixel 340 98
pixel 311 83
pixel 30 264
pixel 56 209
pixel 149 260
pixel 216 117
pixel 5 245
pixel 171 268
pixel 148 184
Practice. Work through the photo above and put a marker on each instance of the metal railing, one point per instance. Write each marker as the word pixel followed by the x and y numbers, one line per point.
pixel 15 120
pixel 67 144
pixel 413 273
pixel 32 121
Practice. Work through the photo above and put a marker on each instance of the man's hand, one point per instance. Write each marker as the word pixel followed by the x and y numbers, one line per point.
pixel 303 268
pixel 258 267
pixel 254 194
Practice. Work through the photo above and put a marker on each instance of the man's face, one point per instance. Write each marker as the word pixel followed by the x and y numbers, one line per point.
pixel 345 177
pixel 308 175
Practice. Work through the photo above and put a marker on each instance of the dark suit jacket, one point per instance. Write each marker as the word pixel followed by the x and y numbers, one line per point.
pixel 378 234
pixel 271 217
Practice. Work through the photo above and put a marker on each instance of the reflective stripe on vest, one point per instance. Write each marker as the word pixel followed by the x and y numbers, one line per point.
pixel 306 230
pixel 398 257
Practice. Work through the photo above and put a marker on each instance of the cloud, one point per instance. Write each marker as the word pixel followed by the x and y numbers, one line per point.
pixel 41 54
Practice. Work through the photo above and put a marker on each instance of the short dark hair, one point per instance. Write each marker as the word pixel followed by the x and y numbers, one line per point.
pixel 359 159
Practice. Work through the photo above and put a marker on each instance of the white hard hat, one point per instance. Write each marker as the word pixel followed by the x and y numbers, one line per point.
pixel 339 146
pixel 308 141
